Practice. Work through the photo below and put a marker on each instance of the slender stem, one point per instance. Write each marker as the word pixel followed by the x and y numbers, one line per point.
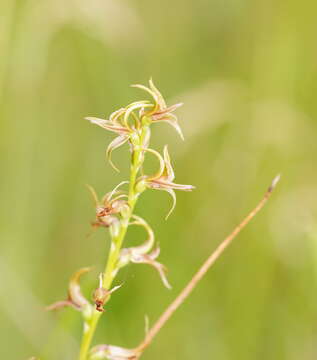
pixel 116 244
pixel 202 271
pixel 89 331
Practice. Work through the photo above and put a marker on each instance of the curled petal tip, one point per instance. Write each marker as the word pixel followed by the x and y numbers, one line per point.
pixel 116 143
pixel 89 118
pixel 176 106
pixel 75 298
pixel 173 195
pixel 75 293
pixel 93 194
pixel 150 259
pixel 95 120
pixel 162 272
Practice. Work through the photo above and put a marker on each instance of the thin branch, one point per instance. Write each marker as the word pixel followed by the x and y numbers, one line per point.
pixel 203 270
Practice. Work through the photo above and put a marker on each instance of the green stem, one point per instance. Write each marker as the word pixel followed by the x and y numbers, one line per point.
pixel 89 331
pixel 116 244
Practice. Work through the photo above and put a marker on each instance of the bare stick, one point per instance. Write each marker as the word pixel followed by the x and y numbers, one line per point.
pixel 203 270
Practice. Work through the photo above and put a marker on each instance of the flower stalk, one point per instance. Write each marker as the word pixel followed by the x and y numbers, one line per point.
pixel 119 232
pixel 115 212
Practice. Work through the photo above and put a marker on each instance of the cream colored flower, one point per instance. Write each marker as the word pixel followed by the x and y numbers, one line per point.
pixel 160 111
pixel 75 297
pixel 163 179
pixel 143 254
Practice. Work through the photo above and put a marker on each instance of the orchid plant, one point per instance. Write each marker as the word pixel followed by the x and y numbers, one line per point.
pixel 115 212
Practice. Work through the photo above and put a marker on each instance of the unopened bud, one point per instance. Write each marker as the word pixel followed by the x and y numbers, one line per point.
pixel 134 138
pixel 140 186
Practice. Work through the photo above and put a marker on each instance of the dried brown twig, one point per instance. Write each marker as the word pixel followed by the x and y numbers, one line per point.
pixel 202 271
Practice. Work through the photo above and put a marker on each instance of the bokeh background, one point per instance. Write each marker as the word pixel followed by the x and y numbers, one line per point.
pixel 246 71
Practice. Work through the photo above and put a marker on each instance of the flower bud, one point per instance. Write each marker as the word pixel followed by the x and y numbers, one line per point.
pixel 140 186
pixel 135 138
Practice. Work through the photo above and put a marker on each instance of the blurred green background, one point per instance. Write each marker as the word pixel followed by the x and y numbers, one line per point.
pixel 246 71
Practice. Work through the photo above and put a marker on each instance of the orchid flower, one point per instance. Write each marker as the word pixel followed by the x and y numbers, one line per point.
pixel 75 297
pixel 163 179
pixel 141 254
pixel 102 295
pixel 160 112
pixel 119 123
pixel 112 203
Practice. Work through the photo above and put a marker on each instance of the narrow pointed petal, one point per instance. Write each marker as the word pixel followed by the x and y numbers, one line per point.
pixel 93 194
pixel 117 142
pixel 130 109
pixel 75 297
pixel 114 117
pixel 61 304
pixel 182 187
pixel 109 195
pixel 161 269
pixel 173 195
pixel 162 164
pixel 108 125
pixel 168 166
pixel 156 107
pixel 176 126
pixel 162 272
pixel 148 244
pixel 170 109
pixel 144 102
pixel 162 184
pixel 115 288
pixel 75 294
pixel 172 120
pixel 159 96
pixel 112 352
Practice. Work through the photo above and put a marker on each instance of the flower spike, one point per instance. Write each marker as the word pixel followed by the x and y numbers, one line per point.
pixel 131 124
